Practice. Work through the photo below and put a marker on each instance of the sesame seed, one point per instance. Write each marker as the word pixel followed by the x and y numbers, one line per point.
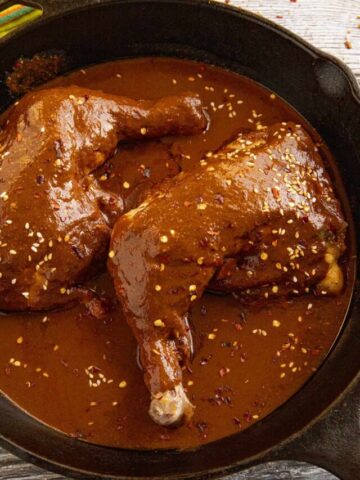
pixel 157 288
pixel 189 383
pixel 164 239
pixel 126 185
pixel 200 260
pixel 211 336
pixel 143 131
pixel 193 298
pixel 264 256
pixel 192 288
pixel 159 323
pixel 201 206
pixel 275 289
pixel 122 384
pixel 20 340
pixel 111 254
pixel 276 323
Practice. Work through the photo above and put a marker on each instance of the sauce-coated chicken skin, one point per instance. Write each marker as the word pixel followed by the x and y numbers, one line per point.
pixel 54 218
pixel 260 215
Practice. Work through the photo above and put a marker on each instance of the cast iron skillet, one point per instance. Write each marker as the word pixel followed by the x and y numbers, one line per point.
pixel 321 423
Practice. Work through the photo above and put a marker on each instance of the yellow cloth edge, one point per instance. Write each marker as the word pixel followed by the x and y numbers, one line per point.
pixel 9 27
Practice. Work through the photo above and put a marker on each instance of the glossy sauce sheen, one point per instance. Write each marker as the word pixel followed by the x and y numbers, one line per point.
pixel 80 374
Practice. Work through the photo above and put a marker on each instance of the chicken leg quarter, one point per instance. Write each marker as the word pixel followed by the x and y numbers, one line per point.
pixel 55 220
pixel 258 216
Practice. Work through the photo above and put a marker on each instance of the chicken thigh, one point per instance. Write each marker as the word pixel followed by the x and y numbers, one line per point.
pixel 258 216
pixel 55 220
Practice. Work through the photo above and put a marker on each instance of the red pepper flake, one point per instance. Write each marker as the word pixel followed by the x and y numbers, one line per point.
pixel 40 179
pixel 348 43
pixel 219 199
pixel 224 371
pixel 247 416
pixel 205 360
pixel 279 16
pixel 94 369
pixel 275 192
pixel 222 396
pixel 242 358
pixel 237 422
pixel 202 428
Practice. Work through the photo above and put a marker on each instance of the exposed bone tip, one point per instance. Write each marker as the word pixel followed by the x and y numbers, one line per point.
pixel 171 407
pixel 333 282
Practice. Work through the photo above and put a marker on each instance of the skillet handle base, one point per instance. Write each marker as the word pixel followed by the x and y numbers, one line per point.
pixel 333 443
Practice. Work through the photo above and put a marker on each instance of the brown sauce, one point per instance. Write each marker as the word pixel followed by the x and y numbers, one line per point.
pixel 80 375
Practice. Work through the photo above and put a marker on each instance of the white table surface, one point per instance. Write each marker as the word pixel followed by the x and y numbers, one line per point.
pixel 329 25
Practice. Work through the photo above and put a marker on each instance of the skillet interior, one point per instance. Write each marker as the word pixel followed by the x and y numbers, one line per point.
pixel 323 92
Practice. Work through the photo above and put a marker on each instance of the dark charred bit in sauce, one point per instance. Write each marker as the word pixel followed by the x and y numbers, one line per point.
pixel 77 369
pixel 28 73
pixel 202 428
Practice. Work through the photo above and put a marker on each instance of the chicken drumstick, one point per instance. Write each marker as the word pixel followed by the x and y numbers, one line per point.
pixel 260 214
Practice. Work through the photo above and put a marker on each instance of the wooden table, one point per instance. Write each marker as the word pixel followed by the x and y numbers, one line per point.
pixel 334 26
